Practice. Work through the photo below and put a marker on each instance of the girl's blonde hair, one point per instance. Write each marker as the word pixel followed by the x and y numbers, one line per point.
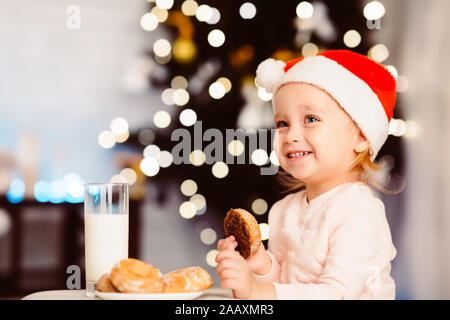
pixel 369 172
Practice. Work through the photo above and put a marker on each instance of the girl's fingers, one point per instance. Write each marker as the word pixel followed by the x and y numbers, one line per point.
pixel 226 254
pixel 228 274
pixel 227 263
pixel 223 244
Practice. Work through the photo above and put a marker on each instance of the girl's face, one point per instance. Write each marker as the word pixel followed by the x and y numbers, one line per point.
pixel 307 119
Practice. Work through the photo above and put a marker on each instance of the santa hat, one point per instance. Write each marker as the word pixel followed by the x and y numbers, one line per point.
pixel 362 87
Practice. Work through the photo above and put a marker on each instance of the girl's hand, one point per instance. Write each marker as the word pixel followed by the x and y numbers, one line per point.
pixel 260 263
pixel 235 274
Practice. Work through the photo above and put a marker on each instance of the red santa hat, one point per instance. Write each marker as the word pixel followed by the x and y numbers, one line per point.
pixel 363 88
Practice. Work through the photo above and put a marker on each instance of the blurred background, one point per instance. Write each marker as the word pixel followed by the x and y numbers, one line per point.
pixel 91 91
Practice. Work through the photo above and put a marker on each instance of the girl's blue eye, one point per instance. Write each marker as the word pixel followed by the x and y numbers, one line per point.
pixel 311 117
pixel 281 124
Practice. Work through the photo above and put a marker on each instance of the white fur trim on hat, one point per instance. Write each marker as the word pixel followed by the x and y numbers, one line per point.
pixel 269 73
pixel 352 93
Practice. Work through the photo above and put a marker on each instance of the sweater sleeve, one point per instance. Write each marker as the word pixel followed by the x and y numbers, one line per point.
pixel 358 243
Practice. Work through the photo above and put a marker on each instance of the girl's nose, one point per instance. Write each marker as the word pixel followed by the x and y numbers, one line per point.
pixel 294 135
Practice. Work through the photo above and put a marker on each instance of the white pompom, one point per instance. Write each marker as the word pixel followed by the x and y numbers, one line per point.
pixel 269 73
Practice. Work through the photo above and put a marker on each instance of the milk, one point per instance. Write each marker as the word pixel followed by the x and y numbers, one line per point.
pixel 106 242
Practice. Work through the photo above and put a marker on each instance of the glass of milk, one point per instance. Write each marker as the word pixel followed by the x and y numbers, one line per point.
pixel 105 229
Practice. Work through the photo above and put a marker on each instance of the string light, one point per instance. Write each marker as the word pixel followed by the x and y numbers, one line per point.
pixel 165 159
pixel 264 230
pixel 211 257
pixel 259 157
pixel 247 10
pixel 203 13
pixel 264 95
pixel 397 127
pixel 352 38
pixel 161 119
pixel 235 148
pixel 393 71
pixel 188 117
pixel 217 90
pixel 208 236
pixel 220 170
pixel 119 126
pixel 162 48
pixel 259 206
pixel 188 187
pixel 374 10
pixel 304 10
pixel 129 175
pixel 215 16
pixel 199 201
pixel 179 82
pixel 164 4
pixel 216 38
pixel 274 158
pixel 309 49
pixel 120 138
pixel 197 158
pixel 225 82
pixel 149 22
pixel 167 96
pixel 187 210
pixel 149 167
pixel 180 97
pixel 189 7
pixel 106 139
pixel 379 53
pixel 152 151
pixel 161 14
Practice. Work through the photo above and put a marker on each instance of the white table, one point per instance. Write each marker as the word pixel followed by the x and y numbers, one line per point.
pixel 210 294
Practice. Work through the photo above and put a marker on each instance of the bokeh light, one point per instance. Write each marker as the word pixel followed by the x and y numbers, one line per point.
pixel 374 10
pixel 188 187
pixel 208 236
pixel 352 38
pixel 216 38
pixel 220 170
pixel 259 206
pixel 161 119
pixel 264 229
pixel 247 10
pixel 106 139
pixel 217 90
pixel 187 210
pixel 149 21
pixel 304 10
pixel 149 166
pixel 188 117
pixel 211 257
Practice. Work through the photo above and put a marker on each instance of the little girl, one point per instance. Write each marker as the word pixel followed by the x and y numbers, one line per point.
pixel 331 240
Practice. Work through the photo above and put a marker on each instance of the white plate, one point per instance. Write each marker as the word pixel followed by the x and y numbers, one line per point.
pixel 148 296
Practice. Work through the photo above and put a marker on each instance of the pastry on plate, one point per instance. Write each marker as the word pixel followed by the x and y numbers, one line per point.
pixel 135 276
pixel 189 279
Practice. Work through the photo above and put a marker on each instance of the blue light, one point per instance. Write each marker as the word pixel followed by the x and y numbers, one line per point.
pixel 57 191
pixel 42 191
pixel 16 191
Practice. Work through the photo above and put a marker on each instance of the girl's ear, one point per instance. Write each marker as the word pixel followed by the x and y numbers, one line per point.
pixel 362 145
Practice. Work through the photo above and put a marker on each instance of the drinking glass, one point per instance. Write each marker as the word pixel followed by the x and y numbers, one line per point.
pixel 105 229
